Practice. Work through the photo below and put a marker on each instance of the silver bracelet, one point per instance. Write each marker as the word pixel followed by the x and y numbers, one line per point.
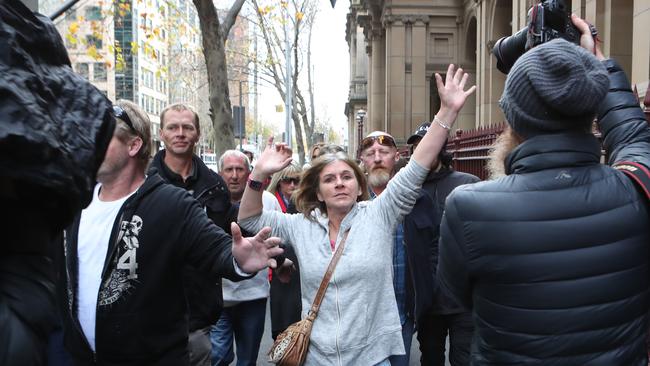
pixel 440 123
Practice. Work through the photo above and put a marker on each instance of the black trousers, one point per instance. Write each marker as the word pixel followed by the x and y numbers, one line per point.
pixel 432 332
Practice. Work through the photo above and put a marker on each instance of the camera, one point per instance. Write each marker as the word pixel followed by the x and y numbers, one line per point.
pixel 547 20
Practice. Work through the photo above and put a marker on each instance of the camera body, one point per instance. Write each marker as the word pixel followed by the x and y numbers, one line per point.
pixel 547 20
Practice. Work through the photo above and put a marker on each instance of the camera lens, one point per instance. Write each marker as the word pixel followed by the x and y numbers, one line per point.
pixel 508 49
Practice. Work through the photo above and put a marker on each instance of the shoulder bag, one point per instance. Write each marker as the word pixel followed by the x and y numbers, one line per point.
pixel 290 347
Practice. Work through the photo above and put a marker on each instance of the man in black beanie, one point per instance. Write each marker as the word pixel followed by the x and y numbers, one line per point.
pixel 552 257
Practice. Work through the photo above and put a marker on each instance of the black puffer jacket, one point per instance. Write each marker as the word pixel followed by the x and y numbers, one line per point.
pixel 553 258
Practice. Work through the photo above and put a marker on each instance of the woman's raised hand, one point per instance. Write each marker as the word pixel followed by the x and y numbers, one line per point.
pixel 274 158
pixel 451 92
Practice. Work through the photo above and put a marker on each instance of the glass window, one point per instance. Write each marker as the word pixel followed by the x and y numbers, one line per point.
pixel 82 69
pixel 99 71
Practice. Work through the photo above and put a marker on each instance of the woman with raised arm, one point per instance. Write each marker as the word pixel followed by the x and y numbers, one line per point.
pixel 358 323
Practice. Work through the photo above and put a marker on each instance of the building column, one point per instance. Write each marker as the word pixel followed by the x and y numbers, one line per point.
pixel 419 84
pixel 397 91
pixel 377 95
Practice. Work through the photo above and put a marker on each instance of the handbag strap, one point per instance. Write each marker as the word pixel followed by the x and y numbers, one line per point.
pixel 315 306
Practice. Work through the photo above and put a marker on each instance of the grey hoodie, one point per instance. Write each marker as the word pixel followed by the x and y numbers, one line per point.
pixel 358 323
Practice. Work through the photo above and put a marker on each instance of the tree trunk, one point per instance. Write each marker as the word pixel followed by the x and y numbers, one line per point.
pixel 215 60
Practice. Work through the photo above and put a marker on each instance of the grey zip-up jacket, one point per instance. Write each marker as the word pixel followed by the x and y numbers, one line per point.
pixel 358 322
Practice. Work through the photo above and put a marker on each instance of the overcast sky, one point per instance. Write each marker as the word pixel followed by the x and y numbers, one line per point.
pixel 330 58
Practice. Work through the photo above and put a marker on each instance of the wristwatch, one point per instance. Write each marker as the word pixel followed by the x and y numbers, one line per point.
pixel 257 185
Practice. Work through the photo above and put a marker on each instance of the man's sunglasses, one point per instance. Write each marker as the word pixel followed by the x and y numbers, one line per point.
pixel 290 180
pixel 121 114
pixel 381 139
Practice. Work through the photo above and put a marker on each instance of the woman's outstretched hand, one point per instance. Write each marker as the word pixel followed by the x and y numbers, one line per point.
pixel 274 158
pixel 452 92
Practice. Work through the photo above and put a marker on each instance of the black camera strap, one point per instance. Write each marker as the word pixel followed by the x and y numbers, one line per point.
pixel 639 174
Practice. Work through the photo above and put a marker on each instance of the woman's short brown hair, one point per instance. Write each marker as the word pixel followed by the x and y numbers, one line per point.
pixel 307 193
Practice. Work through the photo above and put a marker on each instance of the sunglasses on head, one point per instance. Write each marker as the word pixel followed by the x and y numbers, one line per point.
pixel 381 139
pixel 121 114
pixel 290 180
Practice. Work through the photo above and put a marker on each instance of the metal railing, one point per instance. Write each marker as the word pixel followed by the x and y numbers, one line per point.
pixel 470 148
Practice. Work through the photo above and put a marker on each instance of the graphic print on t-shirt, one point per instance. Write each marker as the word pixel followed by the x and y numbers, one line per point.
pixel 124 273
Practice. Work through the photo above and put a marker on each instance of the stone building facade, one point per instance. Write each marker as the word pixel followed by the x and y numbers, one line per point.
pixel 396 46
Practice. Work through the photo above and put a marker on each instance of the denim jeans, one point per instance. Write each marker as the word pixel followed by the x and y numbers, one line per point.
pixel 245 323
pixel 407 337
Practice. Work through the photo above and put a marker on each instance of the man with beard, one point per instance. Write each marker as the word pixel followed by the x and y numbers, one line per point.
pixel 178 165
pixel 552 257
pixel 436 314
pixel 379 155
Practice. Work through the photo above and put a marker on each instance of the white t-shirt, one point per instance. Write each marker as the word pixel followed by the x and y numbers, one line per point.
pixel 94 233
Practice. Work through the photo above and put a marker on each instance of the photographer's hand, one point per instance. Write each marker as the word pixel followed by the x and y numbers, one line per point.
pixel 587 40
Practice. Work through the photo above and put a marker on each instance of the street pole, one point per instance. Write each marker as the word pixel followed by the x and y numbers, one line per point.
pixel 288 79
pixel 241 117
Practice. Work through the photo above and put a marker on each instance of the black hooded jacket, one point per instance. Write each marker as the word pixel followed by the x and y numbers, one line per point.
pixel 553 258
pixel 141 311
pixel 421 234
pixel 204 296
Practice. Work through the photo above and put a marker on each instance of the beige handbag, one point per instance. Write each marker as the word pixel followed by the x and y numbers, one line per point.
pixel 290 347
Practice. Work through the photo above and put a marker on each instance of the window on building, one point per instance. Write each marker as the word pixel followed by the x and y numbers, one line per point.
pixel 82 69
pixel 99 71
pixel 93 13
pixel 150 81
pixel 92 40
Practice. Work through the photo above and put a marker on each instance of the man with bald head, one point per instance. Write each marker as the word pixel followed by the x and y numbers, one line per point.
pixel 379 155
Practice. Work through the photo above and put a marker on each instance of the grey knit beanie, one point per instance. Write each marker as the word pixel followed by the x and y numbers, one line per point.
pixel 555 87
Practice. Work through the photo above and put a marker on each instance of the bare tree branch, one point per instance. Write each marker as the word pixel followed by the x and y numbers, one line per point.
pixel 231 18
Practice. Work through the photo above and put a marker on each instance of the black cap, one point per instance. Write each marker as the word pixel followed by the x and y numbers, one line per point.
pixel 419 132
